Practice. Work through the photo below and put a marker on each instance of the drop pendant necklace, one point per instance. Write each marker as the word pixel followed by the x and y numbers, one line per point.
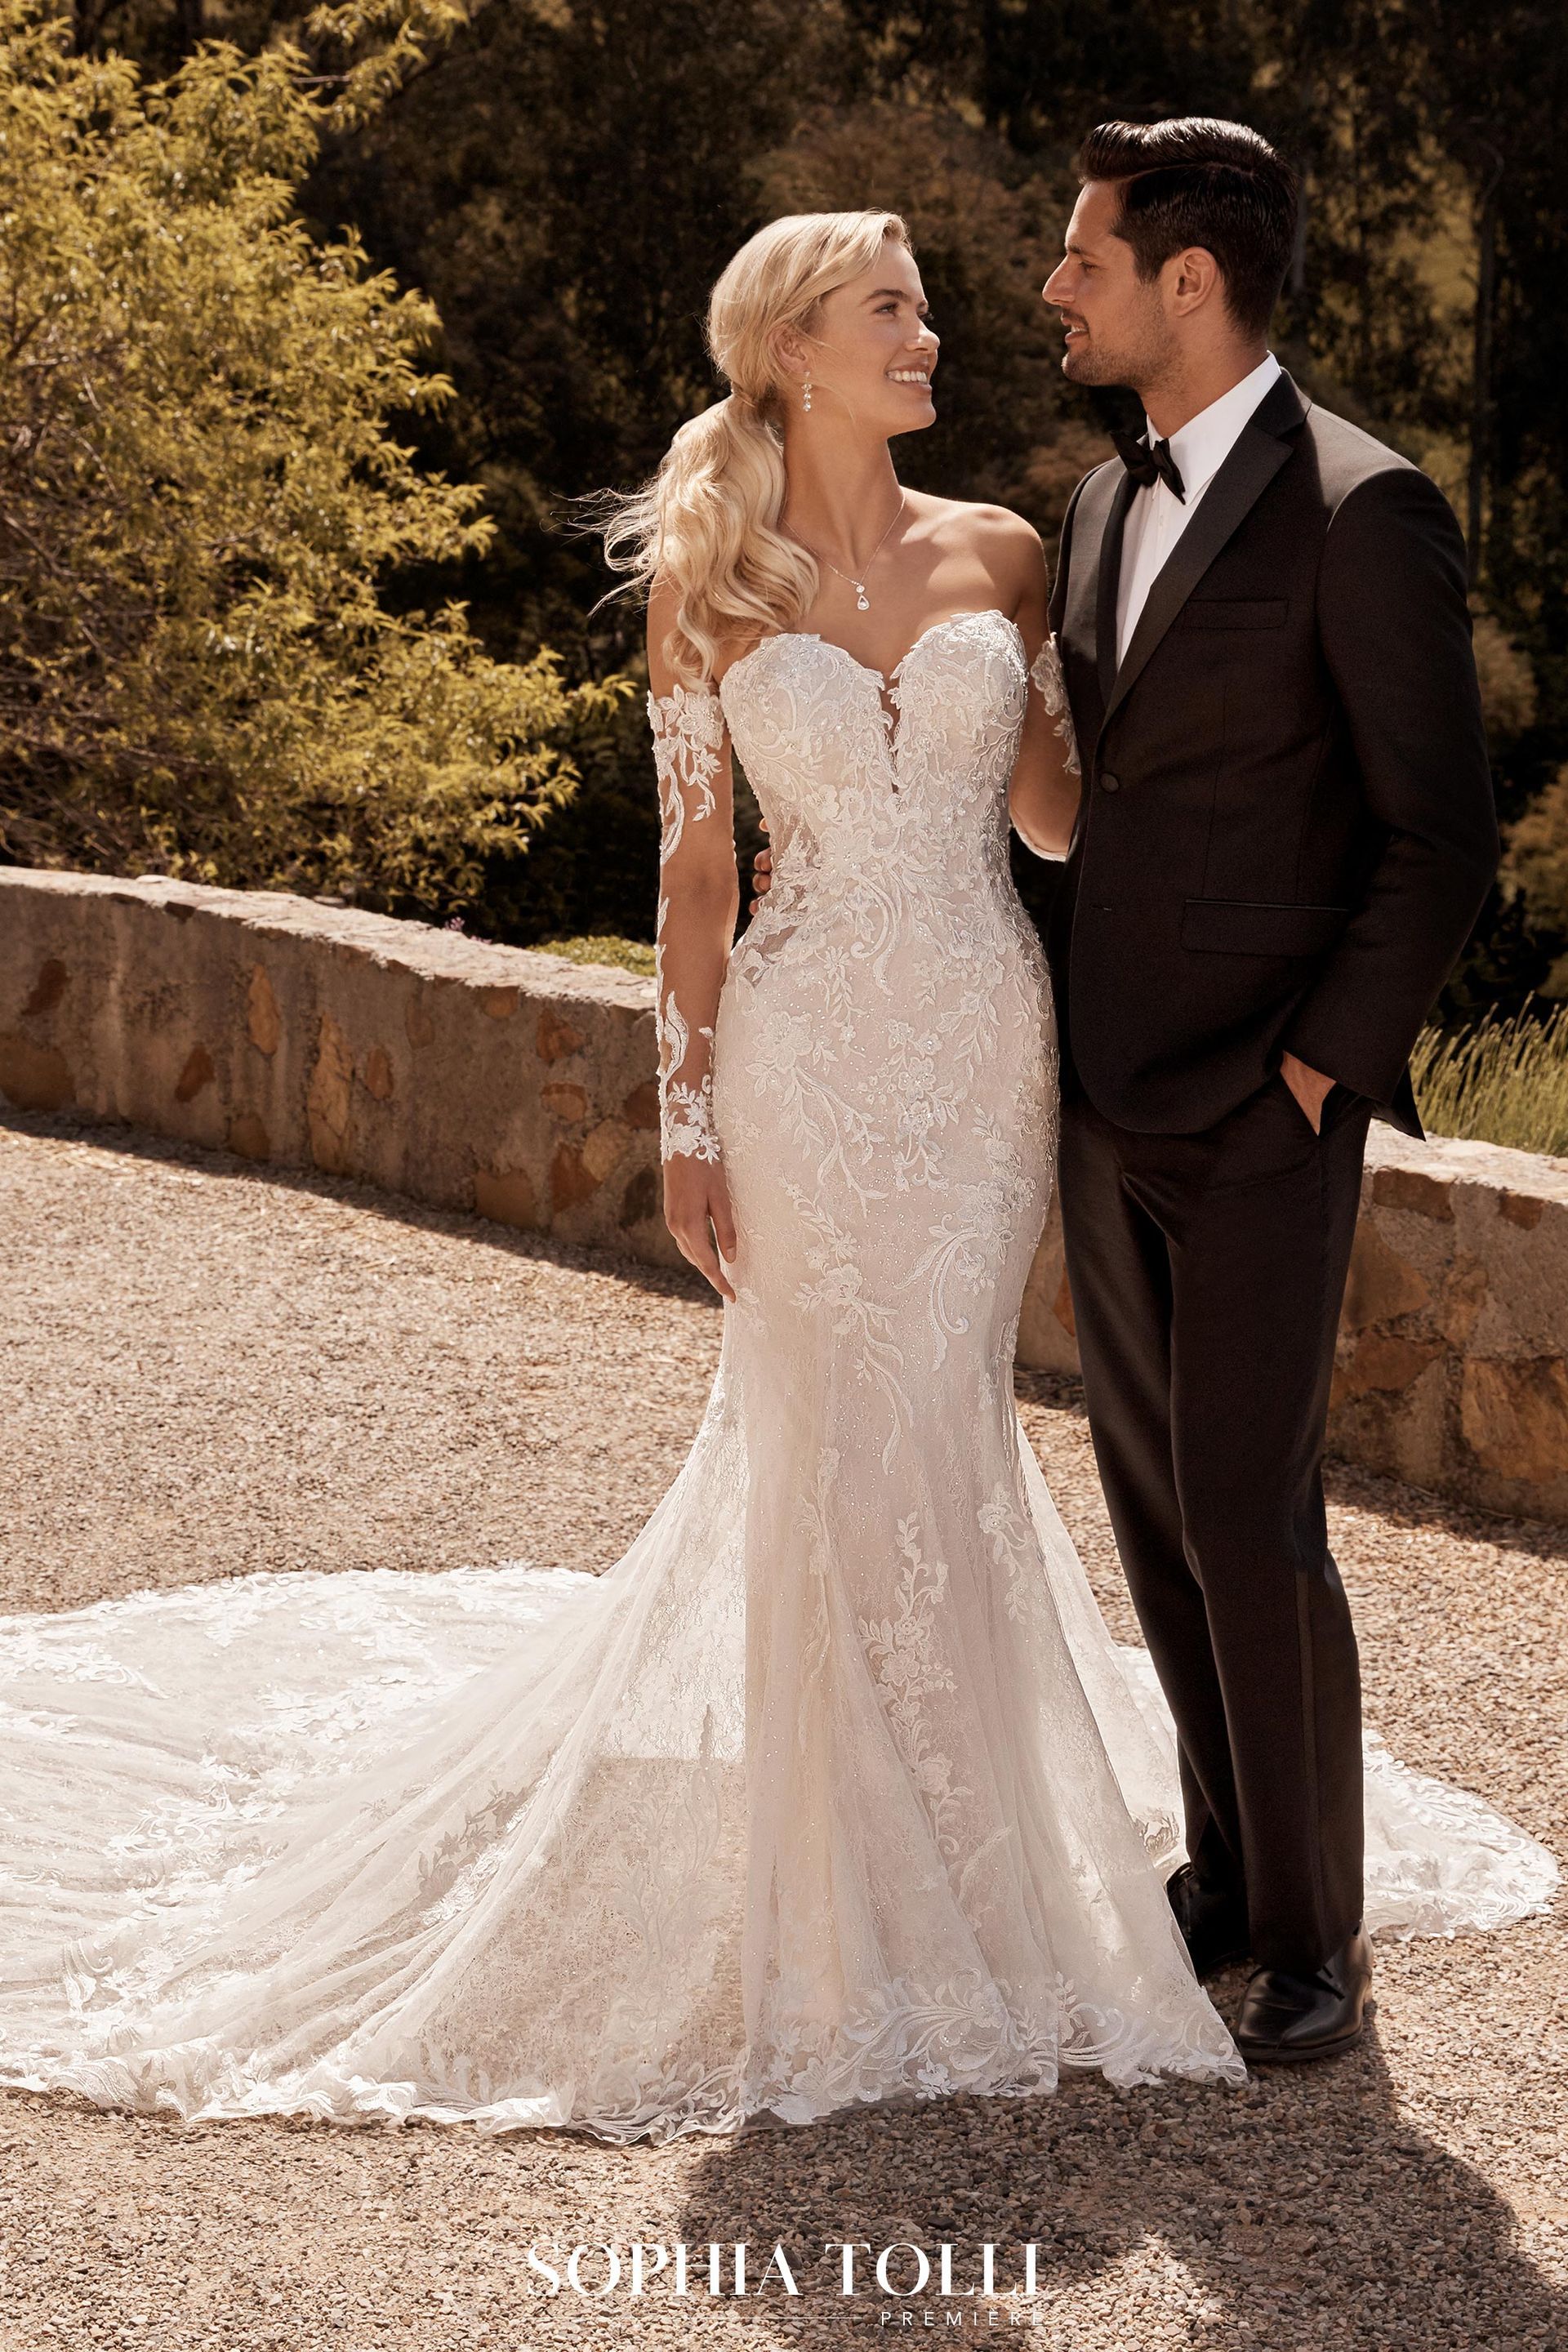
pixel 861 599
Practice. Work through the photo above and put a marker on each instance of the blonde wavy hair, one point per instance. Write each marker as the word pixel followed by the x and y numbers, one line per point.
pixel 706 526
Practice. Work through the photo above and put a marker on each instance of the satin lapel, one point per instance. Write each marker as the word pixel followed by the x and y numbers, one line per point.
pixel 1080 593
pixel 1230 498
pixel 1108 578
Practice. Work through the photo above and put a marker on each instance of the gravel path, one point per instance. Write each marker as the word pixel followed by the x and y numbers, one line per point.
pixel 206 1369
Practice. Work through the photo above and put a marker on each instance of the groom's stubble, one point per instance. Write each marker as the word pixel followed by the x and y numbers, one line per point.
pixel 1115 327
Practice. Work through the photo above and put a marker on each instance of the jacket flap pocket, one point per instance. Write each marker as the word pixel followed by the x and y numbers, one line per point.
pixel 1235 612
pixel 1256 927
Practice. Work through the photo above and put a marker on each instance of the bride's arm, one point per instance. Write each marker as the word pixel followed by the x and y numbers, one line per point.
pixel 699 898
pixel 1043 797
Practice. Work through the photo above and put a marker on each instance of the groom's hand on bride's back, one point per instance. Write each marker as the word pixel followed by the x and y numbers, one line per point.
pixel 762 872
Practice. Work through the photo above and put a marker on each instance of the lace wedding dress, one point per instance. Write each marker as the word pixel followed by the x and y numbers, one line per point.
pixel 835 1788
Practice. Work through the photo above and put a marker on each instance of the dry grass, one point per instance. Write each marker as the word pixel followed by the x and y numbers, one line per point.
pixel 1502 1081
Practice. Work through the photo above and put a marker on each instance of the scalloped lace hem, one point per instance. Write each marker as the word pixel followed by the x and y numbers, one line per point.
pixel 885 2058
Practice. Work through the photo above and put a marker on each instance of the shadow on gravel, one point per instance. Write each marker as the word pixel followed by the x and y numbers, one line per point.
pixel 663 1282
pixel 1300 2211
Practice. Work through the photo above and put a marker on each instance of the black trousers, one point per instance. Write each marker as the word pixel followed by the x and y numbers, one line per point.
pixel 1206 1273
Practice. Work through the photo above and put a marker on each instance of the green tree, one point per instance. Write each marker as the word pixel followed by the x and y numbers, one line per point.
pixel 566 179
pixel 1438 186
pixel 1423 299
pixel 202 499
pixel 567 182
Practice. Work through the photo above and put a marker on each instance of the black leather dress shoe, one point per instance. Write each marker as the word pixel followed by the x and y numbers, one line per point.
pixel 1285 2017
pixel 1213 1926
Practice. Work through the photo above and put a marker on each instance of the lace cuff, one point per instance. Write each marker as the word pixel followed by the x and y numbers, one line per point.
pixel 1046 672
pixel 686 1129
pixel 687 742
pixel 686 1125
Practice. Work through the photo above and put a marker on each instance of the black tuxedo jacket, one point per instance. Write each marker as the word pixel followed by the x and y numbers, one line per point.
pixel 1287 828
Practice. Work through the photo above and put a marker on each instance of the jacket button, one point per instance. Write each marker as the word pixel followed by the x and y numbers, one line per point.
pixel 1108 783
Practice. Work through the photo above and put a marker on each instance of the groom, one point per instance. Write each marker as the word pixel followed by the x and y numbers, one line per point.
pixel 1286 833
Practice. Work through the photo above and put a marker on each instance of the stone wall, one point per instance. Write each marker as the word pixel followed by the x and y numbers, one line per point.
pixel 474 1076
pixel 520 1085
pixel 1452 1362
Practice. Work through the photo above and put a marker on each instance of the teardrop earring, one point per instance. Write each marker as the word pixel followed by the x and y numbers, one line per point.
pixel 806 389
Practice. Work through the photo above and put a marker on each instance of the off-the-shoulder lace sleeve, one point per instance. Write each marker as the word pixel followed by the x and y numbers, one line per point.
pixel 688 744
pixel 1045 670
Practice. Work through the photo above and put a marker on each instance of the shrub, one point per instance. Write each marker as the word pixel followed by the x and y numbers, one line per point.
pixel 202 501
pixel 603 947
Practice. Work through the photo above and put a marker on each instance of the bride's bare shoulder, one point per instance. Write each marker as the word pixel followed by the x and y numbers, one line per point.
pixel 1004 541
pixel 974 522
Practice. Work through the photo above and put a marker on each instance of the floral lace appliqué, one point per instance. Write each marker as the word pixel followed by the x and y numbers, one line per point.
pixel 1046 672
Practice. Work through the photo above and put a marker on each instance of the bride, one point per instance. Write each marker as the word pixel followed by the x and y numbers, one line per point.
pixel 835 1788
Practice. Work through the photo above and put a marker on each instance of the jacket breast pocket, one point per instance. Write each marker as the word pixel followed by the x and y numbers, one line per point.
pixel 1259 927
pixel 1234 612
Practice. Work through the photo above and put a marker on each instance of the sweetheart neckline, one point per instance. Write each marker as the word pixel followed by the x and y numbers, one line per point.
pixel 884 678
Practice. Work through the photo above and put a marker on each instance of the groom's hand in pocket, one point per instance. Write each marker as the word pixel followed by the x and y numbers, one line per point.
pixel 1310 1086
pixel 762 872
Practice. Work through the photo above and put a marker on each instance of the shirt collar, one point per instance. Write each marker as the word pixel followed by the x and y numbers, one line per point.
pixel 1203 443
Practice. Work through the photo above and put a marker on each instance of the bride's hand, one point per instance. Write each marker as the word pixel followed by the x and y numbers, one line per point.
pixel 697 1211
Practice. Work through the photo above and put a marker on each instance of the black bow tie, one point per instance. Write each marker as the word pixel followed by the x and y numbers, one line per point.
pixel 1148 466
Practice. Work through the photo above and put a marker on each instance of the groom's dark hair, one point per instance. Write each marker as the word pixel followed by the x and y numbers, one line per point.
pixel 1196 181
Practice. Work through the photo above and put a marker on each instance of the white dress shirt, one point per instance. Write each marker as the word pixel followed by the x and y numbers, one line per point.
pixel 1157 516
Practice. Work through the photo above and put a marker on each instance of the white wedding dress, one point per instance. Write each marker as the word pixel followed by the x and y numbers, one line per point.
pixel 835 1788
